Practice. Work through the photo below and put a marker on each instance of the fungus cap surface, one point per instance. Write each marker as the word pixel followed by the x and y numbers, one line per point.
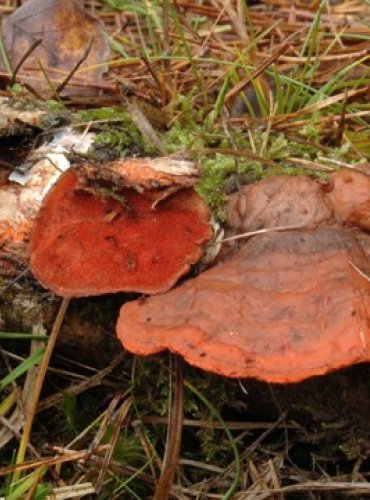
pixel 286 307
pixel 349 192
pixel 278 201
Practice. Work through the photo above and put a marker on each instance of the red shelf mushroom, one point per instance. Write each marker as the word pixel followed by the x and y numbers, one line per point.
pixel 284 307
pixel 83 244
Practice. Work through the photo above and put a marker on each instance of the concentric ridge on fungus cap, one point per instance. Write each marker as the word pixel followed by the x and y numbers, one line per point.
pixel 285 307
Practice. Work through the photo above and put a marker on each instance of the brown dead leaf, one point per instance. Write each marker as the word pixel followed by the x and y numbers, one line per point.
pixel 69 38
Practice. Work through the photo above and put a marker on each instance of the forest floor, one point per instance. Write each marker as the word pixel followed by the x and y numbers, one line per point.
pixel 277 87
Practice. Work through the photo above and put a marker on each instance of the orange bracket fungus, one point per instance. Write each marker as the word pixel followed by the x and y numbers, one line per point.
pixel 108 238
pixel 285 305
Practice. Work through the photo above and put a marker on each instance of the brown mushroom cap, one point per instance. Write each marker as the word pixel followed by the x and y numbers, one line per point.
pixel 84 245
pixel 349 192
pixel 277 201
pixel 286 307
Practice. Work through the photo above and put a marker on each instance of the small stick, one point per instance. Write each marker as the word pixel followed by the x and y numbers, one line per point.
pixel 76 66
pixel 342 121
pixel 35 44
pixel 40 380
pixel 122 415
pixel 361 273
pixel 261 231
pixel 174 434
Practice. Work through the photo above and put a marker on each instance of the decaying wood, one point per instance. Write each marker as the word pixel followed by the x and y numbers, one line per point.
pixel 87 334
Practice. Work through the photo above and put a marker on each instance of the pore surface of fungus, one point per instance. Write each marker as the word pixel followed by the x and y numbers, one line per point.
pixel 83 244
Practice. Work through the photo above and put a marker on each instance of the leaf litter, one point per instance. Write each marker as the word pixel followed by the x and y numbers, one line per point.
pixel 46 42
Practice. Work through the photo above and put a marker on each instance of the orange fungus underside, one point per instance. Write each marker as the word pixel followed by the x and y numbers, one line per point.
pixel 83 244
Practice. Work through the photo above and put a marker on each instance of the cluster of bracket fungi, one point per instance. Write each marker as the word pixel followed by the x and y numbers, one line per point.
pixel 279 306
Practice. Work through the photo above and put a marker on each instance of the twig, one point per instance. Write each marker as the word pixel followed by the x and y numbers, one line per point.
pixel 262 231
pixel 187 422
pixel 342 121
pixel 82 386
pixel 361 273
pixel 355 488
pixel 174 433
pixel 312 165
pixel 5 422
pixel 143 124
pixel 239 154
pixel 34 45
pixel 76 66
pixel 68 456
pixel 40 380
pixel 241 85
pixel 125 408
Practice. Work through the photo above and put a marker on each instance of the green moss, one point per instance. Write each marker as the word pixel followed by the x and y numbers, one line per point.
pixel 216 172
pixel 55 106
pixel 209 143
pixel 221 171
pixel 113 113
pixel 115 132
